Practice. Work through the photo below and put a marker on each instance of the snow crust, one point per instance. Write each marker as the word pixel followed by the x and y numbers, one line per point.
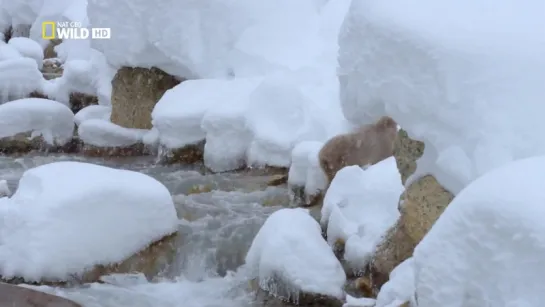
pixel 473 97
pixel 43 117
pixel 18 77
pixel 360 206
pixel 486 248
pixel 93 112
pixel 54 226
pixel 103 133
pixel 29 49
pixel 289 250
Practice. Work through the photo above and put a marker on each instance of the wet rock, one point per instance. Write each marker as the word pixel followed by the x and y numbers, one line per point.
pixel 189 154
pixel 12 295
pixel 423 202
pixel 23 143
pixel 135 91
pixel 79 101
pixel 135 150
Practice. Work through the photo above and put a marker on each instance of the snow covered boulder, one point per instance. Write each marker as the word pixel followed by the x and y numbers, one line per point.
pixel 486 249
pixel 93 112
pixel 28 49
pixel 306 180
pixel 23 121
pixel 291 260
pixel 359 208
pixel 104 138
pixel 75 220
pixel 135 91
pixel 19 77
pixel 423 201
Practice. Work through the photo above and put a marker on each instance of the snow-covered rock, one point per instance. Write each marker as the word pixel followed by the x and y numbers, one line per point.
pixel 43 117
pixel 93 112
pixel 55 225
pixel 360 206
pixel 29 49
pixel 103 133
pixel 487 247
pixel 305 173
pixel 227 136
pixel 18 78
pixel 289 250
pixel 474 97
pixel 400 288
pixel 8 52
pixel 179 113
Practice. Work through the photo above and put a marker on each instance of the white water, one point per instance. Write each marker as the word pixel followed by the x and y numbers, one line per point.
pixel 223 224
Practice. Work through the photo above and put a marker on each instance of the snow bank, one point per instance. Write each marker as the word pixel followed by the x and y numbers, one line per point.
pixel 29 49
pixel 474 97
pixel 399 288
pixel 288 108
pixel 55 224
pixel 104 133
pixel 289 249
pixel 486 249
pixel 50 119
pixel 360 206
pixel 18 78
pixel 227 136
pixel 93 112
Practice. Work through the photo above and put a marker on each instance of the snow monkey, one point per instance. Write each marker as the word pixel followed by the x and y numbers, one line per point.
pixel 368 145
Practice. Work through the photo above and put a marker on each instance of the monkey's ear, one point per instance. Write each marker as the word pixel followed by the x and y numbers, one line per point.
pixel 386 122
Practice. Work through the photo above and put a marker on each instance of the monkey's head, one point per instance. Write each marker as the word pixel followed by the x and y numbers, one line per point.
pixel 386 123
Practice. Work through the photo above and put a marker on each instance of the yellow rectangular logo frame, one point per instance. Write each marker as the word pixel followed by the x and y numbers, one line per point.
pixel 44 29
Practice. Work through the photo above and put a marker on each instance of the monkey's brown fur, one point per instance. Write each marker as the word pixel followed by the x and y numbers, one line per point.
pixel 368 145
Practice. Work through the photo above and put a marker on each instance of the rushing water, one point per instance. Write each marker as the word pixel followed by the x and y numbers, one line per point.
pixel 213 239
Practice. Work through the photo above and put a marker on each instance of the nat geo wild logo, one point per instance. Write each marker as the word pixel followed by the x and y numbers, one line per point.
pixel 72 30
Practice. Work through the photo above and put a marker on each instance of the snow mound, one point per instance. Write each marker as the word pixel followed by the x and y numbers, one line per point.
pixel 399 288
pixel 360 206
pixel 227 136
pixel 93 112
pixel 487 247
pixel 284 111
pixel 104 133
pixel 179 113
pixel 474 98
pixel 56 223
pixel 29 49
pixel 8 52
pixel 18 78
pixel 305 170
pixel 289 250
pixel 48 118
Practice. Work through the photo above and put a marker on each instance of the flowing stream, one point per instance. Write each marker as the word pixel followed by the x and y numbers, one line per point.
pixel 217 229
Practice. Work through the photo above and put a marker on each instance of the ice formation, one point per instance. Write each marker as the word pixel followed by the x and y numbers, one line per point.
pixel 289 252
pixel 360 206
pixel 469 84
pixel 51 119
pixel 56 223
